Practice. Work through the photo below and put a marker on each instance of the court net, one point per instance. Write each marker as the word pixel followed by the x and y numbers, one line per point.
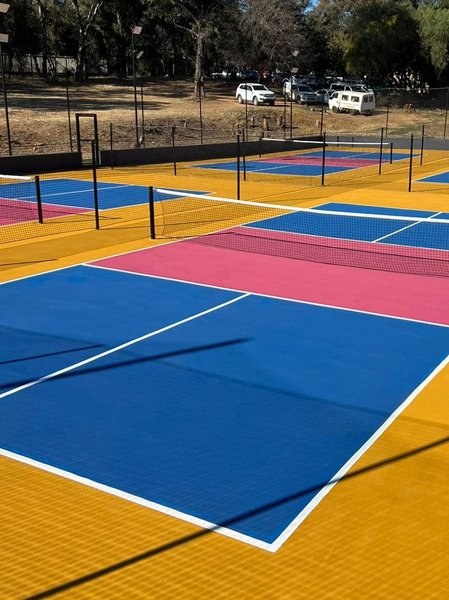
pixel 333 153
pixel 390 241
pixel 18 199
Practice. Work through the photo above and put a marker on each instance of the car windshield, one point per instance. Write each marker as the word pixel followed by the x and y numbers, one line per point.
pixel 260 87
pixel 304 88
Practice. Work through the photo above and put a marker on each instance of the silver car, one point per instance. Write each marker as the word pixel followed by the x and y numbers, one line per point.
pixel 300 93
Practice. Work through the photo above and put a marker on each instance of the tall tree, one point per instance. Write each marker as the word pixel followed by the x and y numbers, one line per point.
pixel 273 33
pixel 86 12
pixel 204 16
pixel 383 40
pixel 434 30
pixel 331 18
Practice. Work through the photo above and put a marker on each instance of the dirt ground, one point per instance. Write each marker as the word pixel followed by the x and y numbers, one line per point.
pixel 38 115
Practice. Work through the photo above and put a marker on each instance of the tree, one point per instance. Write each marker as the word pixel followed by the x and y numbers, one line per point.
pixel 203 17
pixel 273 33
pixel 383 40
pixel 86 12
pixel 434 31
pixel 331 19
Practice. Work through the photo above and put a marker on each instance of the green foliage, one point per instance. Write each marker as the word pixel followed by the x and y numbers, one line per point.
pixel 434 28
pixel 382 39
pixel 406 41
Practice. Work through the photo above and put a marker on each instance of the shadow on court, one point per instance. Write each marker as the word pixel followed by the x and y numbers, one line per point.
pixel 229 522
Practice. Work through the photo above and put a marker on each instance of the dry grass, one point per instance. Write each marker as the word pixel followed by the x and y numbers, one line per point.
pixel 39 119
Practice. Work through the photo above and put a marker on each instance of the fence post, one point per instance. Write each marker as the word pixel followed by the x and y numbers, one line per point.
pixel 388 112
pixel 142 106
pixel 422 145
pixel 173 131
pixel 111 144
pixel 244 154
pixel 445 112
pixel 69 118
pixel 238 166
pixel 94 180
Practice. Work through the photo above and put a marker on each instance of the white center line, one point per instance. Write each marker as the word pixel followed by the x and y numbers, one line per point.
pixel 121 347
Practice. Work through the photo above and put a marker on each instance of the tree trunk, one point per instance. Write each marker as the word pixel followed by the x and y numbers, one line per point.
pixel 199 63
pixel 84 25
pixel 81 66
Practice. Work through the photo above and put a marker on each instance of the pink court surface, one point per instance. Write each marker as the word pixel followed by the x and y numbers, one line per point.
pixel 378 534
pixel 316 160
pixel 16 212
pixel 400 295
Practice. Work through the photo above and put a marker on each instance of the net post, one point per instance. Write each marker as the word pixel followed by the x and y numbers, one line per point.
pixel 94 180
pixel 173 131
pixel 421 158
pixel 238 166
pixel 151 212
pixel 380 150
pixel 445 113
pixel 37 184
pixel 261 136
pixel 410 164
pixel 391 153
pixel 323 161
pixel 244 154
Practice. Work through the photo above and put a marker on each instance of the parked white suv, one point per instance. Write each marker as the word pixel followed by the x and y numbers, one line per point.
pixel 256 93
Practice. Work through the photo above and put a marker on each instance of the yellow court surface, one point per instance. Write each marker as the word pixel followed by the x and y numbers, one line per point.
pixel 380 532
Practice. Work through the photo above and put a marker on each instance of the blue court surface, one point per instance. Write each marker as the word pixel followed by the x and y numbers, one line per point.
pixel 350 160
pixel 417 234
pixel 276 168
pixel 78 193
pixel 439 178
pixel 232 408
pixel 359 155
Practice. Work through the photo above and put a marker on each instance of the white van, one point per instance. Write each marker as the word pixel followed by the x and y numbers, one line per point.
pixel 362 103
pixel 351 87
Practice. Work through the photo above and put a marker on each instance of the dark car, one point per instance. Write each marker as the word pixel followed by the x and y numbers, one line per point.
pixel 278 78
pixel 248 75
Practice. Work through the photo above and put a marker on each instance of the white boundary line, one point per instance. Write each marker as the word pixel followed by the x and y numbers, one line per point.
pixel 121 346
pixel 138 500
pixel 384 237
pixel 291 528
pixel 19 177
pixel 355 457
pixel 274 546
pixel 423 180
pixel 270 296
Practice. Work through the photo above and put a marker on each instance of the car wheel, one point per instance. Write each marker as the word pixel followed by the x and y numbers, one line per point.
pixel 255 101
pixel 239 99
pixel 272 103
pixel 352 112
pixel 334 109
